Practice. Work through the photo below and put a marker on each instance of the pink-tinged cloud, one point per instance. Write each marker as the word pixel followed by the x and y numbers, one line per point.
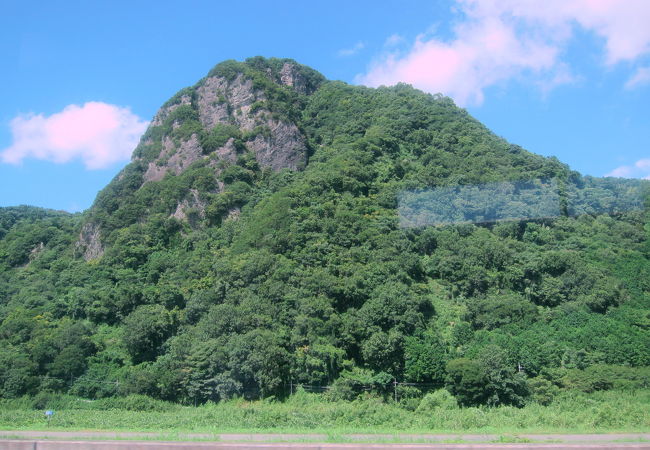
pixel 640 77
pixel 623 24
pixel 643 164
pixel 98 133
pixel 483 53
pixel 640 169
pixel 500 40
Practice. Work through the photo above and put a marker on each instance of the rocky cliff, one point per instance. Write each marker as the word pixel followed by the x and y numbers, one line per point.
pixel 240 110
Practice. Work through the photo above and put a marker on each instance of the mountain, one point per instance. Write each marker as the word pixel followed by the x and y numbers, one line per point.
pixel 254 242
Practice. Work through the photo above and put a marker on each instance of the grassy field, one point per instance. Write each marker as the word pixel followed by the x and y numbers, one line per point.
pixel 308 413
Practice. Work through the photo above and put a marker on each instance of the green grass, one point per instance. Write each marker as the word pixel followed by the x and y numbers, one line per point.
pixel 308 413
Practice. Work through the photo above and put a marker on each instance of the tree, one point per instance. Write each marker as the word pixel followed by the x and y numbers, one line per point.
pixel 146 329
pixel 259 361
pixel 466 381
pixel 504 384
pixel 425 359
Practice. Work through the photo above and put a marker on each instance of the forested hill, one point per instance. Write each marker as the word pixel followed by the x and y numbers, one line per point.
pixel 254 243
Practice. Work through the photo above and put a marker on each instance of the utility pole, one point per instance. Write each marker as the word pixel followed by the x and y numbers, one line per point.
pixel 395 388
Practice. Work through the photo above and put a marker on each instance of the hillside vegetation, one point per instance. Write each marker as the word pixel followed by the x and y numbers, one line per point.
pixel 253 244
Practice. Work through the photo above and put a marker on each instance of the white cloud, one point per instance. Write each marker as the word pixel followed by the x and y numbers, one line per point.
pixel 394 40
pixel 98 133
pixel 499 40
pixel 643 164
pixel 621 172
pixel 640 169
pixel 623 24
pixel 483 53
pixel 640 77
pixel 356 48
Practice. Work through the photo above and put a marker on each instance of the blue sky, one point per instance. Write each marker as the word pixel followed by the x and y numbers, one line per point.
pixel 559 77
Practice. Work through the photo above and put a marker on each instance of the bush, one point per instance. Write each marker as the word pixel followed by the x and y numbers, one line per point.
pixel 497 311
pixel 440 399
pixel 236 173
pixel 409 397
pixel 135 402
pixel 354 382
pixel 602 377
pixel 467 381
pixel 51 400
pixel 218 136
pixel 542 391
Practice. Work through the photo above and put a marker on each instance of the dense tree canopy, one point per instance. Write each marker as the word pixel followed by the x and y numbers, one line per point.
pixel 306 276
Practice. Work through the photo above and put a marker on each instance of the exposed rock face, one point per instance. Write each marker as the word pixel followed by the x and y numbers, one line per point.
pixel 226 153
pixel 191 208
pixel 89 242
pixel 249 113
pixel 165 111
pixel 155 172
pixel 173 159
pixel 212 103
pixel 220 101
pixel 291 76
pixel 233 214
pixel 285 148
pixel 218 98
pixel 33 254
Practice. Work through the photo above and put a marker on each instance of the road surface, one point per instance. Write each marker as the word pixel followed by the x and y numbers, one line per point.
pixel 102 440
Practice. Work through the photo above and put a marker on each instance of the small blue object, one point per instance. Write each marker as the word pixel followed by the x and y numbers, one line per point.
pixel 49 413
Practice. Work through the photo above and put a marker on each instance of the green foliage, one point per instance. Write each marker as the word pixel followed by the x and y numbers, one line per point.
pixel 504 385
pixel 490 379
pixel 135 402
pixel 27 233
pixel 310 413
pixel 352 383
pixel 145 330
pixel 218 136
pixel 425 359
pixel 542 391
pixel 440 399
pixel 17 373
pixel 227 69
pixel 309 78
pixel 497 311
pixel 601 377
pixel 466 381
pixel 225 279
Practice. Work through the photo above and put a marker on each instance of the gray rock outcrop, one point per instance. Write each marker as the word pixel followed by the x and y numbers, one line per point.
pixel 89 243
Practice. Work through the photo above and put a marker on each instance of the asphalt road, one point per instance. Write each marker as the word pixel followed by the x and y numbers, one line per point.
pixel 29 444
pixel 102 440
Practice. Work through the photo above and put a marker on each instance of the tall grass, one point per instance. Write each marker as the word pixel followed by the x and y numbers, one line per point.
pixel 572 412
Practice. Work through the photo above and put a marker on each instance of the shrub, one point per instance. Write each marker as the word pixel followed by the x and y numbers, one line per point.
pixel 440 399
pixel 542 391
pixel 51 400
pixel 218 136
pixel 135 402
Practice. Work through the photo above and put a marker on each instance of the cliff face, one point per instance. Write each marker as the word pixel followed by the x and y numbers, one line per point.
pixel 240 110
pixel 276 142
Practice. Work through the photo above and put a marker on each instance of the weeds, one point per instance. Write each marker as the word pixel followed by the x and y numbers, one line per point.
pixel 574 412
